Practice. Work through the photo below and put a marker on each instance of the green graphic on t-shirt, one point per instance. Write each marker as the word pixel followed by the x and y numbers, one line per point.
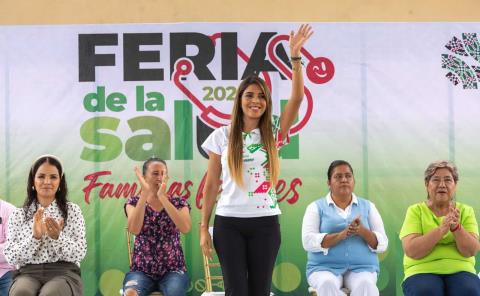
pixel 252 148
pixel 273 196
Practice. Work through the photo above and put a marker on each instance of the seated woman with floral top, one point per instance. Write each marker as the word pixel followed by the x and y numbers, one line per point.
pixel 156 219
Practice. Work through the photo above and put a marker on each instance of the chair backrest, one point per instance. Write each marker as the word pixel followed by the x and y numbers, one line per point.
pixel 208 267
pixel 129 237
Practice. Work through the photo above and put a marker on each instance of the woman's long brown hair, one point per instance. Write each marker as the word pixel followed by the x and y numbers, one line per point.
pixel 235 140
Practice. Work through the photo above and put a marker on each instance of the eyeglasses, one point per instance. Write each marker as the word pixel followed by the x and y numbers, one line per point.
pixel 340 177
pixel 438 180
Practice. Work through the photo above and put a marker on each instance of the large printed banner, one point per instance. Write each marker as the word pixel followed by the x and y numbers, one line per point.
pixel 389 98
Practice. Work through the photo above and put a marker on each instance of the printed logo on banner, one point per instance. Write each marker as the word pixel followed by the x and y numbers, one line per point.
pixel 204 89
pixel 464 63
pixel 268 56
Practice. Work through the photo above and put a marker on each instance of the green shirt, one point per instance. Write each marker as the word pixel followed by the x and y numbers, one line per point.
pixel 444 258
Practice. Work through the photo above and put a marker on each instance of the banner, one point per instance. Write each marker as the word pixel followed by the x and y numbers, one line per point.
pixel 388 97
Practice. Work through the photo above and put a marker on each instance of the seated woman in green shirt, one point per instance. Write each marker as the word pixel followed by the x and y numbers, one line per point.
pixel 440 239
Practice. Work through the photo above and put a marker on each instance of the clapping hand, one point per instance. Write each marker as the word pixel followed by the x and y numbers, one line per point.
pixel 162 189
pixel 451 220
pixel 46 225
pixel 53 228
pixel 38 225
pixel 354 227
pixel 453 216
pixel 146 189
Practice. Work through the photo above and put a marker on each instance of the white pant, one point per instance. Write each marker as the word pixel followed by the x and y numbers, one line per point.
pixel 359 283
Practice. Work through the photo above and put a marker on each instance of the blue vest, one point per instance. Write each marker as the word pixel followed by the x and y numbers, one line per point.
pixel 352 253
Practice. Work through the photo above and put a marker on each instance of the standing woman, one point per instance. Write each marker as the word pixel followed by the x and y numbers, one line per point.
pixel 46 238
pixel 245 155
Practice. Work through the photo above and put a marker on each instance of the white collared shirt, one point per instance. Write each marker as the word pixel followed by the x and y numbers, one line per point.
pixel 257 198
pixel 312 238
pixel 22 248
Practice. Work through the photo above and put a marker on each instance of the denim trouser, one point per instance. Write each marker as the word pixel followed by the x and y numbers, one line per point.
pixel 455 284
pixel 5 282
pixel 174 283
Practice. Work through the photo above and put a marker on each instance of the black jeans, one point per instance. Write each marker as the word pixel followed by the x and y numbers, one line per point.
pixel 247 249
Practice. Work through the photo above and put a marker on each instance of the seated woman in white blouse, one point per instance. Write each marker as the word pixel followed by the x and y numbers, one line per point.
pixel 342 234
pixel 46 238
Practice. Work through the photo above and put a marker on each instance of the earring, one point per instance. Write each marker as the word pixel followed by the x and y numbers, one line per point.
pixel 33 188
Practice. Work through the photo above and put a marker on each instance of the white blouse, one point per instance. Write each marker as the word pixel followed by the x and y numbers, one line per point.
pixel 22 248
pixel 258 198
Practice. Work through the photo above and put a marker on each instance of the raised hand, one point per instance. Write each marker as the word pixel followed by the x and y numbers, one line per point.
pixel 143 183
pixel 298 39
pixel 162 189
pixel 38 225
pixel 53 227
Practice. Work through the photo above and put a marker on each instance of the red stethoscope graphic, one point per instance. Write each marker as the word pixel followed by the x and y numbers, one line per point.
pixel 319 70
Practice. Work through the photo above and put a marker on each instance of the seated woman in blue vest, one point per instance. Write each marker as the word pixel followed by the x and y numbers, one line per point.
pixel 342 234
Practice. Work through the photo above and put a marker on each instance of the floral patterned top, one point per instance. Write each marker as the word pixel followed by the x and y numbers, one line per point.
pixel 157 248
pixel 22 248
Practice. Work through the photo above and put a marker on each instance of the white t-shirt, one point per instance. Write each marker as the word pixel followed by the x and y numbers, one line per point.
pixel 257 198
